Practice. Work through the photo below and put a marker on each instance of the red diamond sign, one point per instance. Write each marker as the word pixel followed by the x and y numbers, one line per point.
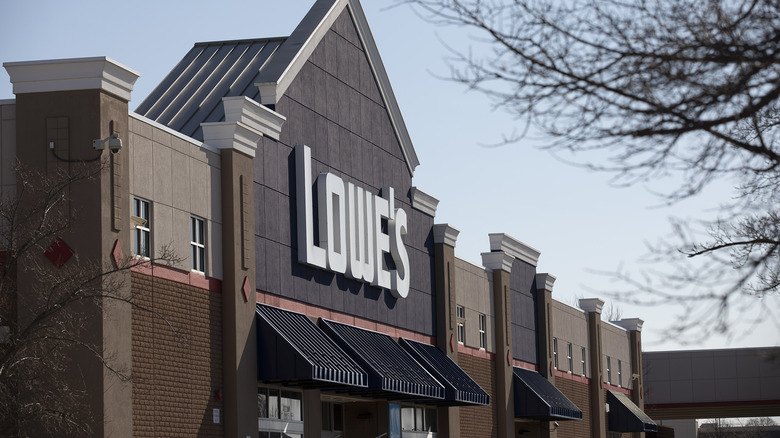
pixel 246 289
pixel 59 252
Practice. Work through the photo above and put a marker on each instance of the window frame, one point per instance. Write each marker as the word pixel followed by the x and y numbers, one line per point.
pixel 570 358
pixel 620 373
pixel 609 370
pixel 460 313
pixel 584 369
pixel 142 230
pixel 555 353
pixel 482 331
pixel 198 248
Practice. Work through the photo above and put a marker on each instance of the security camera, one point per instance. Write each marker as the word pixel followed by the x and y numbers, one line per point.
pixel 114 143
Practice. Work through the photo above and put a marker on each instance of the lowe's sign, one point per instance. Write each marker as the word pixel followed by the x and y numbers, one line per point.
pixel 349 220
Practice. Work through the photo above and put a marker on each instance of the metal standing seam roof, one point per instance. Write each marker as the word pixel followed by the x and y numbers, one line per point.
pixel 459 386
pixel 192 92
pixel 537 398
pixel 391 370
pixel 625 416
pixel 291 348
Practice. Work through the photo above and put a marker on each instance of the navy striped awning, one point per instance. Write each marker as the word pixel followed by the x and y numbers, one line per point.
pixel 459 387
pixel 625 416
pixel 392 373
pixel 292 349
pixel 536 398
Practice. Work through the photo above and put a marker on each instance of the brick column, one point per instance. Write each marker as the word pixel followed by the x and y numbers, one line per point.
pixel 544 323
pixel 500 263
pixel 634 327
pixel 598 410
pixel 245 123
pixel 61 107
pixel 444 240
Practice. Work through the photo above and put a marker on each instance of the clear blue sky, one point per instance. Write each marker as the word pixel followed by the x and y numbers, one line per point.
pixel 577 220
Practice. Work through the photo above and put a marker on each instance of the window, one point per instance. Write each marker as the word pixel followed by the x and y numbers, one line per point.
pixel 482 331
pixel 418 418
pixel 583 361
pixel 620 373
pixel 571 360
pixel 280 413
pixel 142 232
pixel 461 314
pixel 332 419
pixel 609 370
pixel 198 231
pixel 555 353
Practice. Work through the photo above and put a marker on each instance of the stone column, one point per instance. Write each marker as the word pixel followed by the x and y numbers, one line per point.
pixel 500 263
pixel 544 324
pixel 237 137
pixel 444 240
pixel 61 107
pixel 598 410
pixel 634 327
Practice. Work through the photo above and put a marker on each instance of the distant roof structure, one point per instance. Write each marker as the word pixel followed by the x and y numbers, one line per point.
pixel 262 70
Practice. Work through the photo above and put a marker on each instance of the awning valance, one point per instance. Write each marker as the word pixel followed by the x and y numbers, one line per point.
pixel 459 387
pixel 291 348
pixel 536 398
pixel 392 373
pixel 625 416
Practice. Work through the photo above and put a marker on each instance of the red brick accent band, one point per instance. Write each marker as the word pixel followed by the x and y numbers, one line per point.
pixel 477 352
pixel 625 391
pixel 178 276
pixel 712 404
pixel 526 365
pixel 319 312
pixel 571 376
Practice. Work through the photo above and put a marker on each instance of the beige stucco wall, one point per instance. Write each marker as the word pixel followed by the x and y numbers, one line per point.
pixel 473 292
pixel 570 325
pixel 616 343
pixel 7 147
pixel 181 177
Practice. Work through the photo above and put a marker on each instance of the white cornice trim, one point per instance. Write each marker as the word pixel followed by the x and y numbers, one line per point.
pixel 497 260
pixel 231 135
pixel 259 117
pixel 446 234
pixel 545 281
pixel 173 132
pixel 591 304
pixel 424 202
pixel 510 245
pixel 101 73
pixel 630 324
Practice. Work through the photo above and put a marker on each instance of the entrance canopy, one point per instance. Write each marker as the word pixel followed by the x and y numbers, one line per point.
pixel 625 416
pixel 291 348
pixel 538 399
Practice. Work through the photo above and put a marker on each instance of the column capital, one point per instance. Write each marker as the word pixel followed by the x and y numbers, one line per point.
pixel 545 281
pixel 497 260
pixel 630 324
pixel 96 73
pixel 592 305
pixel 424 202
pixel 515 248
pixel 445 233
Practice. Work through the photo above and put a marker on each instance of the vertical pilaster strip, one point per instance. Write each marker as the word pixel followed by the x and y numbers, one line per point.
pixel 634 328
pixel 237 138
pixel 598 408
pixel 500 264
pixel 544 285
pixel 444 239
